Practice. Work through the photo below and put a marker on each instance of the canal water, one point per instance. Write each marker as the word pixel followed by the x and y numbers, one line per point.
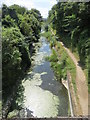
pixel 44 95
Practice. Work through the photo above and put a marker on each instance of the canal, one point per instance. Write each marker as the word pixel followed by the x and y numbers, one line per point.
pixel 44 96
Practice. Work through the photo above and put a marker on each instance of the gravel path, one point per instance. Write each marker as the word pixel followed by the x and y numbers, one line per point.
pixel 81 84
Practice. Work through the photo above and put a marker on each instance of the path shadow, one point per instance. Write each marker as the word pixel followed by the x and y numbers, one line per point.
pixel 80 64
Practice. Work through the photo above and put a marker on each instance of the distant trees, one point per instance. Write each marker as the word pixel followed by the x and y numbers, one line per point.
pixel 20 28
pixel 71 20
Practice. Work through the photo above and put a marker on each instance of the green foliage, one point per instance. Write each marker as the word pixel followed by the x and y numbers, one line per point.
pixel 52 42
pixel 60 61
pixel 9 11
pixel 18 9
pixel 4 10
pixel 71 22
pixel 47 35
pixel 30 26
pixel 11 59
pixel 53 57
pixel 70 19
pixel 46 28
pixel 15 57
pixel 8 21
pixel 37 14
pixel 58 66
pixel 84 46
pixel 20 29
pixel 24 27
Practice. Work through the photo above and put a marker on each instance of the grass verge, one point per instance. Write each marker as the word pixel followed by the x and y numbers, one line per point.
pixel 85 68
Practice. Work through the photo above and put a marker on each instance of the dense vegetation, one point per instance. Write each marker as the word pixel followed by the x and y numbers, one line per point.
pixel 61 63
pixel 70 22
pixel 20 29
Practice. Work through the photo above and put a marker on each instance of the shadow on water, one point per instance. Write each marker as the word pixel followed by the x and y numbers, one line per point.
pixel 25 113
pixel 17 102
pixel 55 87
pixel 29 113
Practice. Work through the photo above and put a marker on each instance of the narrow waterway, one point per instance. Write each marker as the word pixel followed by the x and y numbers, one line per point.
pixel 44 95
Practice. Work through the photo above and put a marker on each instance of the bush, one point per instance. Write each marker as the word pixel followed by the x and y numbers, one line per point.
pixel 53 57
pixel 15 56
pixel 21 27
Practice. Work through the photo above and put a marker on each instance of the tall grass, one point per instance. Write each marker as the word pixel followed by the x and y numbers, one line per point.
pixel 70 66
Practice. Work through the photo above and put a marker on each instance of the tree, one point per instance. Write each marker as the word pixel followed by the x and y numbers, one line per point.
pixel 20 28
pixel 71 20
